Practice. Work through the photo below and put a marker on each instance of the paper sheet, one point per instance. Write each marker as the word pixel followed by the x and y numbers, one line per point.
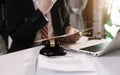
pixel 70 62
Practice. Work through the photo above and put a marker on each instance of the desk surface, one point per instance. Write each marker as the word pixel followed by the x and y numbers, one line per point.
pixel 24 62
pixel 108 64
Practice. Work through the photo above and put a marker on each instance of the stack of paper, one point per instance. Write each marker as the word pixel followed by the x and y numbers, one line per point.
pixel 70 62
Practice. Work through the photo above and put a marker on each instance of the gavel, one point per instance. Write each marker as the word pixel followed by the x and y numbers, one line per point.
pixel 52 48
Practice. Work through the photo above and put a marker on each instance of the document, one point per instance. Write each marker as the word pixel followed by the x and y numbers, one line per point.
pixel 69 63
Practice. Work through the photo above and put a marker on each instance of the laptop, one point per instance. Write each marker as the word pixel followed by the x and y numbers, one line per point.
pixel 103 48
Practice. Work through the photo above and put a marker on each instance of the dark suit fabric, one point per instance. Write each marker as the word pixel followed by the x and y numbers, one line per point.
pixel 23 23
pixel 60 16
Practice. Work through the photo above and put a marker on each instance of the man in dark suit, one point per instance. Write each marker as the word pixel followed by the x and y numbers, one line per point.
pixel 24 21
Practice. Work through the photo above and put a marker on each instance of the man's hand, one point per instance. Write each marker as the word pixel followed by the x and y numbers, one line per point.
pixel 46 5
pixel 75 37
pixel 72 34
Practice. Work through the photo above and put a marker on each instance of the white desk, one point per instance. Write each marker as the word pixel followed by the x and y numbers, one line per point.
pixel 19 63
pixel 24 63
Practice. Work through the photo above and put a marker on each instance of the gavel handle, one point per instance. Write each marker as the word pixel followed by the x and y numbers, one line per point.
pixel 52 43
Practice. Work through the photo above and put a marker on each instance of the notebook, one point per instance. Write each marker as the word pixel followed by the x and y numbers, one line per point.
pixel 103 48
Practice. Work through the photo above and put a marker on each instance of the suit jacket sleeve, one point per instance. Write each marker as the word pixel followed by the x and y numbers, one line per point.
pixel 60 16
pixel 23 23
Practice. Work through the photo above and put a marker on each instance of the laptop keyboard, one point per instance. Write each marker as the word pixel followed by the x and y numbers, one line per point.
pixel 94 48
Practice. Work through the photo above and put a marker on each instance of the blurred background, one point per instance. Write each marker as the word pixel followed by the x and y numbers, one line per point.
pixel 103 15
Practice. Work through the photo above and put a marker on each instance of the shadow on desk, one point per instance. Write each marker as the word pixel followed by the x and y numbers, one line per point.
pixel 115 53
pixel 108 64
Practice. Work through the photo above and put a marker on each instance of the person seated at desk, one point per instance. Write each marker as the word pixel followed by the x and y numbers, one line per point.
pixel 59 23
pixel 25 18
